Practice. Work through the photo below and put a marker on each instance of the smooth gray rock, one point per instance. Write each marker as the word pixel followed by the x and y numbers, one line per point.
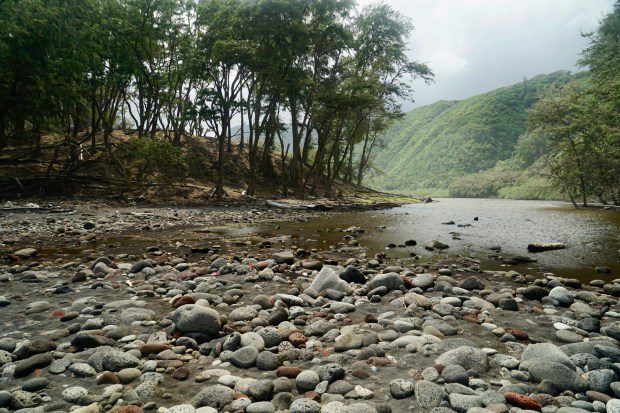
pixel 328 279
pixel 547 352
pixel 463 402
pixel 305 405
pixel 245 357
pixel 284 257
pixel 428 394
pixel 216 396
pixel 307 380
pixel 562 295
pixel 470 358
pixel 192 318
pixel 562 377
pixel 390 280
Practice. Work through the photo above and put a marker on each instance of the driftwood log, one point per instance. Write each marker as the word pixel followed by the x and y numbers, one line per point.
pixel 545 246
pixel 308 207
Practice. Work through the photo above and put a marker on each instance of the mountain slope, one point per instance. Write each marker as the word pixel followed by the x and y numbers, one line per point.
pixel 434 144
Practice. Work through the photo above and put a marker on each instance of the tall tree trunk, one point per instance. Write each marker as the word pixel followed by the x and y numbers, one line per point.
pixel 3 136
pixel 219 185
pixel 242 140
pixel 296 158
pixel 360 169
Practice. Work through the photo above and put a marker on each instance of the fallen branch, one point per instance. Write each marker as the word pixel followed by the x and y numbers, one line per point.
pixel 311 207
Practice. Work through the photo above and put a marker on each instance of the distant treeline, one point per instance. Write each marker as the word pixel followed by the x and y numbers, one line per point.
pixel 166 69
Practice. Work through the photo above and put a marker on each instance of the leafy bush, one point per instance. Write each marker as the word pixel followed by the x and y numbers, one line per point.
pixel 138 160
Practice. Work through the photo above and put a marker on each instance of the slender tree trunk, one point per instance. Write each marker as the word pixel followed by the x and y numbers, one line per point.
pixel 3 137
pixel 242 140
pixel 360 169
pixel 296 158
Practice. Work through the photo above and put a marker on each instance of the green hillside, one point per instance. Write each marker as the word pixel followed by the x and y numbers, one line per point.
pixel 434 144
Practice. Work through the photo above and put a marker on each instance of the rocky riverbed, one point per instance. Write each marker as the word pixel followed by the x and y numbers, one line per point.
pixel 132 310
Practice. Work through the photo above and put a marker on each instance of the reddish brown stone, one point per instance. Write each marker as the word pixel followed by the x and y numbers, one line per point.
pixel 360 374
pixel 288 371
pixel 439 368
pixel 107 377
pixel 471 318
pixel 153 348
pixel 239 395
pixel 312 395
pixel 181 373
pixel 297 339
pixel 58 313
pixel 406 281
pixel 186 275
pixel 522 401
pixel 127 409
pixel 183 300
pixel 520 335
pixel 162 259
pixel 378 361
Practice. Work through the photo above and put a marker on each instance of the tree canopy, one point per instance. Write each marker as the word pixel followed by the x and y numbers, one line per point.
pixel 330 74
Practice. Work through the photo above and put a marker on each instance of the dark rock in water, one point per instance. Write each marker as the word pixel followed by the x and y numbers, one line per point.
pixel 277 316
pixel 434 244
pixel 509 304
pixel 519 259
pixel 27 366
pixel 448 223
pixel 83 341
pixel 284 257
pixel 34 347
pixel 140 265
pixel 410 243
pixel 472 283
pixel 104 260
pixel 612 289
pixel 545 246
pixel 352 274
pixel 603 270
pixel 534 292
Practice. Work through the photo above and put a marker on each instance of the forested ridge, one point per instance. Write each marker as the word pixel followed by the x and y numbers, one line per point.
pixel 435 144
pixel 137 84
pixel 554 136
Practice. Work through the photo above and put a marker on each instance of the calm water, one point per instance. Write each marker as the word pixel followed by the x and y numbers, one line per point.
pixel 591 235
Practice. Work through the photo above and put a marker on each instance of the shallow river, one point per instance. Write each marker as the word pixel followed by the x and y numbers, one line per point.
pixel 591 235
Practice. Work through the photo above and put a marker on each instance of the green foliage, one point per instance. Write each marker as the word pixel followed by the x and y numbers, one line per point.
pixel 140 160
pixel 436 144
pixel 533 187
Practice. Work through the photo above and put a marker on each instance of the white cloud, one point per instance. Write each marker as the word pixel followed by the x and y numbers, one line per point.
pixel 478 45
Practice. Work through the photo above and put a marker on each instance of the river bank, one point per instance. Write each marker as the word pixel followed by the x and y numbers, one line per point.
pixel 198 310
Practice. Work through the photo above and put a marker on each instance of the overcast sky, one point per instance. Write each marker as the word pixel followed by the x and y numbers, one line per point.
pixel 474 46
